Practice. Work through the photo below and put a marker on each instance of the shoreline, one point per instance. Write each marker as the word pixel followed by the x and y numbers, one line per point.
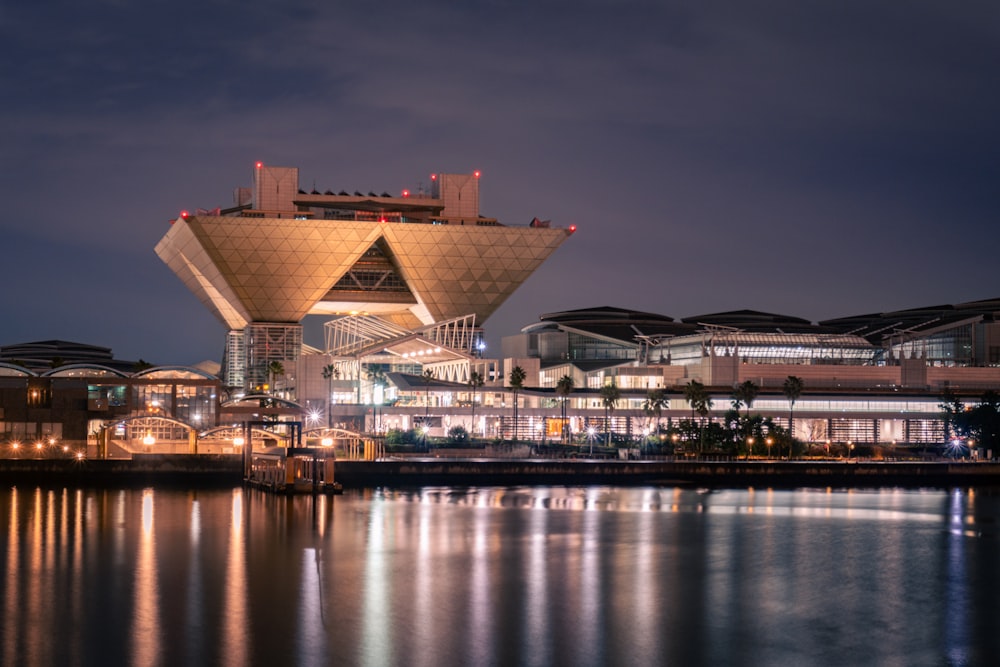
pixel 227 470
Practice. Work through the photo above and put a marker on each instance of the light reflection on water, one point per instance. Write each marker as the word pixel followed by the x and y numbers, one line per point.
pixel 525 575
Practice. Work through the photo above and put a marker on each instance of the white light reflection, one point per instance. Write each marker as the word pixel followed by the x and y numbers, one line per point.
pixel 956 620
pixel 376 637
pixel 145 633
pixel 424 606
pixel 479 590
pixel 590 615
pixel 235 631
pixel 195 593
pixel 310 644
pixel 537 630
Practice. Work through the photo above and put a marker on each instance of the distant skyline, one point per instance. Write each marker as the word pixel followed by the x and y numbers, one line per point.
pixel 807 159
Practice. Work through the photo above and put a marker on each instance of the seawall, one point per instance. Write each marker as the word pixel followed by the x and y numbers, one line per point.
pixel 463 472
pixel 226 470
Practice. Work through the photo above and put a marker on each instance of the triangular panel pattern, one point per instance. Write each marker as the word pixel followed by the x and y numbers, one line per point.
pixel 277 270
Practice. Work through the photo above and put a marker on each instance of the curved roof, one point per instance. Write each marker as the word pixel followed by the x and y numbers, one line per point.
pixel 84 371
pixel 617 324
pixel 14 370
pixel 174 373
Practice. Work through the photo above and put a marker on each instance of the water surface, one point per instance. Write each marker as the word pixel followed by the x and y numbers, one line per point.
pixel 499 576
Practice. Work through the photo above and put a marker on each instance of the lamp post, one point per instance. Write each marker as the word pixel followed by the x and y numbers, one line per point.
pixel 769 441
pixel 590 436
pixel 749 446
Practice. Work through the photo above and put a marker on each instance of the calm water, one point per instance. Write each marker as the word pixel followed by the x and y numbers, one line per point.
pixel 494 576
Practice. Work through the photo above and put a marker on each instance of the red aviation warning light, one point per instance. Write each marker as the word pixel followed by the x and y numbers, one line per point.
pixel 572 228
pixel 406 193
pixel 476 173
pixel 185 214
pixel 259 164
pixel 434 177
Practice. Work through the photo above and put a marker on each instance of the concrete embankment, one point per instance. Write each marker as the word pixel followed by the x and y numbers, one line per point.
pixel 143 469
pixel 227 470
pixel 459 472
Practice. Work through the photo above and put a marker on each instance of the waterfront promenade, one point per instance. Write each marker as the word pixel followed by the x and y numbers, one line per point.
pixel 415 471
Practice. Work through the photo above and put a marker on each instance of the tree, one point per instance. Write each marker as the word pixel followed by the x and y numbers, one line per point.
pixel 330 371
pixel 427 376
pixel 745 393
pixel 274 369
pixel 564 387
pixel 698 398
pixel 610 395
pixel 792 388
pixel 378 379
pixel 516 379
pixel 137 367
pixel 656 400
pixel 475 382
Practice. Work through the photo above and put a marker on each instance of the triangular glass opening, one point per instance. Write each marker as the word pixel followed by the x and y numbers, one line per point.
pixel 374 274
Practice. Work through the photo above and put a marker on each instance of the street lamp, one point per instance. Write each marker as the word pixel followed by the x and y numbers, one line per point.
pixel 590 435
pixel 749 446
pixel 148 440
pixel 770 441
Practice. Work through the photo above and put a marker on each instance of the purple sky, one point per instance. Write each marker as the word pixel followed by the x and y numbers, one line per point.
pixel 803 158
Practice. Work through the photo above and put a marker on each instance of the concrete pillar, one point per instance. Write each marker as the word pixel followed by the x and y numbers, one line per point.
pixel 192 441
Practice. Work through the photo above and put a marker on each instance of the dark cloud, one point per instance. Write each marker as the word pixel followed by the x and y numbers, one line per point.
pixel 814 159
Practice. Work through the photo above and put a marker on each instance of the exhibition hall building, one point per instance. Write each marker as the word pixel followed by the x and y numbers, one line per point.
pixel 404 283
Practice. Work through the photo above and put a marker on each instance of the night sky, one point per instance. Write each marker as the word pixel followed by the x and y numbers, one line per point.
pixel 815 159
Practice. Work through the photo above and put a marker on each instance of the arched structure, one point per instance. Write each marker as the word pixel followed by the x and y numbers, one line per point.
pixel 146 434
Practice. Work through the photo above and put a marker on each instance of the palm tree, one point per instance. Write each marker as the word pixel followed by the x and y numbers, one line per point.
pixel 330 371
pixel 475 381
pixel 427 376
pixel 700 401
pixel 745 394
pixel 792 388
pixel 377 377
pixel 564 387
pixel 516 379
pixel 274 369
pixel 656 400
pixel 610 395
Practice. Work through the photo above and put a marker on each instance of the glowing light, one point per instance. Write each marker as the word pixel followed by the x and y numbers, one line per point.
pixel 434 177
pixel 476 173
pixel 327 442
pixel 185 214
pixel 406 193
pixel 148 439
pixel 15 445
pixel 239 441
pixel 260 164
pixel 572 228
pixel 79 455
pixel 39 445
